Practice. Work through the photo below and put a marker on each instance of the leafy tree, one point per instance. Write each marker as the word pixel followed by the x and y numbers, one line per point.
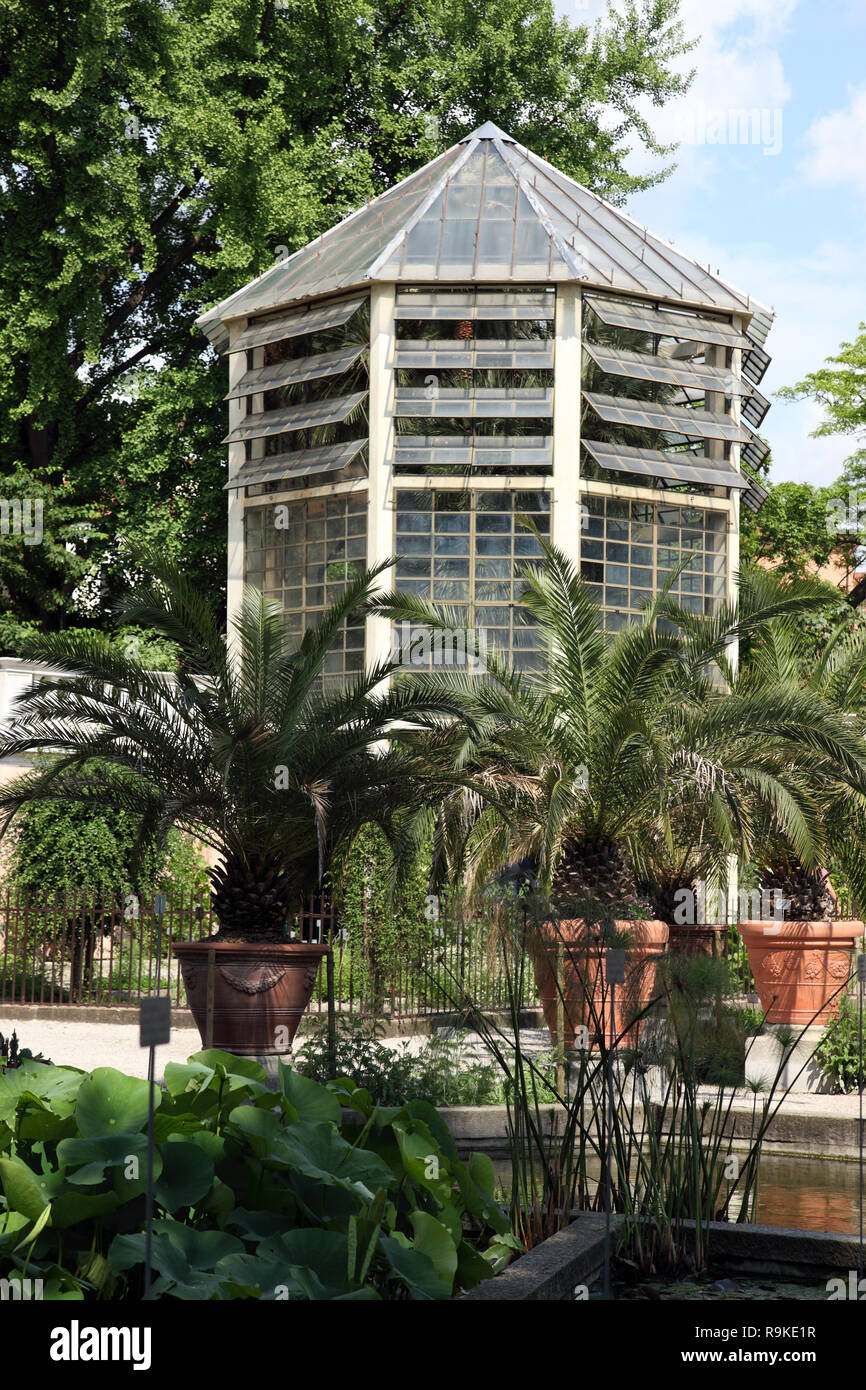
pixel 154 157
pixel 839 388
pixel 793 528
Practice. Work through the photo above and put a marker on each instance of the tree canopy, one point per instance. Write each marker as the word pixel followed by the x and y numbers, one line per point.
pixel 155 157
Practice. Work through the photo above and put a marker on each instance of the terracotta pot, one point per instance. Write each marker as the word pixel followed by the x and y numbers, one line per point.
pixel 798 966
pixel 260 991
pixel 583 976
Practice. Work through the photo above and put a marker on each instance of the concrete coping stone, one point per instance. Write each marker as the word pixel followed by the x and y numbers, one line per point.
pixel 551 1271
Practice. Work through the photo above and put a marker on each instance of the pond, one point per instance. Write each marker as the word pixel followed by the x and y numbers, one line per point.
pixel 811 1194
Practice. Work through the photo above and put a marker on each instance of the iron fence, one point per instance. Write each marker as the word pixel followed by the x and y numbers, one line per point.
pixel 98 949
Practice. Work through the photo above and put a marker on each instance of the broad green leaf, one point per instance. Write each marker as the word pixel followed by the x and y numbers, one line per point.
pixel 413 1269
pixel 435 1241
pixel 320 1152
pixel 477 1201
pixel 324 1252
pixel 308 1099
pixel 71 1207
pixel 87 1159
pixel 423 1161
pixel 186 1076
pixel 244 1068
pixel 111 1103
pixel 472 1267
pixel 24 1190
pixel 257 1225
pixel 423 1110
pixel 187 1176
pixel 261 1128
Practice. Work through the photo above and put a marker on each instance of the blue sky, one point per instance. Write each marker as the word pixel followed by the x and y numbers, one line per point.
pixel 783 218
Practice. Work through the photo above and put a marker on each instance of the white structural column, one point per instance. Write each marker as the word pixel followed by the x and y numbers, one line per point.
pixel 733 868
pixel 237 411
pixel 565 521
pixel 380 506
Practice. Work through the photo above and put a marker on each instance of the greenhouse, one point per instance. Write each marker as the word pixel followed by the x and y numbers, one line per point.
pixel 486 348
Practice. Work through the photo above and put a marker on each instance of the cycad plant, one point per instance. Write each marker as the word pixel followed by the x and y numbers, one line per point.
pixel 631 739
pixel 242 745
pixel 826 668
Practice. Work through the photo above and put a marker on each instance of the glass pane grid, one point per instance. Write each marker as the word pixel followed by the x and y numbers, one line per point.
pixel 302 555
pixel 467 550
pixel 628 550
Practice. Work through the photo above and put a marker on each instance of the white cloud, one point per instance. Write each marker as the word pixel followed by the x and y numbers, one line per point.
pixel 738 70
pixel 836 145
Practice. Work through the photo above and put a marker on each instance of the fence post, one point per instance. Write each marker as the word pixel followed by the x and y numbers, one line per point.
pixel 23 955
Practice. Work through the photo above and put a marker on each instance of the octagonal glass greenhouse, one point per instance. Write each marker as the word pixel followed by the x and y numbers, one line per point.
pixel 488 344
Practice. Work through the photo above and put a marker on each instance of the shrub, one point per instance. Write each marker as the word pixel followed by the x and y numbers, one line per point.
pixel 384 928
pixel 438 1074
pixel 838 1052
pixel 63 847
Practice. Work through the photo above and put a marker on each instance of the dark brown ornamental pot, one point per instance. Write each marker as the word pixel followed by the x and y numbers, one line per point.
pixel 260 991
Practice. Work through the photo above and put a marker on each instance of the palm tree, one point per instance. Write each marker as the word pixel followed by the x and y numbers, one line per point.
pixel 631 742
pixel 828 668
pixel 243 746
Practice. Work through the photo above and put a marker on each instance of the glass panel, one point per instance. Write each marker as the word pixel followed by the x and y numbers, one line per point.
pixel 304 572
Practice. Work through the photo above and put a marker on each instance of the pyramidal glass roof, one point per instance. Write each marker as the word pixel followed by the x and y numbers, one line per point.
pixel 487 210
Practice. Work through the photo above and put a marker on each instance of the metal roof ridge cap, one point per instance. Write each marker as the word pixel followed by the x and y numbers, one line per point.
pixel 426 203
pixel 566 252
pixel 488 130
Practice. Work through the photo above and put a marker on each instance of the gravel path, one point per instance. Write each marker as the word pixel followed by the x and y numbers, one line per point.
pixel 89 1045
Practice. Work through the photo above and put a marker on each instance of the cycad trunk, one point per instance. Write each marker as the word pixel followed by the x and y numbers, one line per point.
pixel 809 894
pixel 253 899
pixel 597 872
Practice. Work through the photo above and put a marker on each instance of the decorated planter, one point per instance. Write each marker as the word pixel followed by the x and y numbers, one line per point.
pixel 585 1000
pixel 799 966
pixel 260 992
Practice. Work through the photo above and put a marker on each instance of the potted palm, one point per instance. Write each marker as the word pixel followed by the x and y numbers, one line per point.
pixel 245 746
pixel 800 949
pixel 627 740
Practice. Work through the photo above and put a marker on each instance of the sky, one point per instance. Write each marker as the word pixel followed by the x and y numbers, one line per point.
pixel 778 203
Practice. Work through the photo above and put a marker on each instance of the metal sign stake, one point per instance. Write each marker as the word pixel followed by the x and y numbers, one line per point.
pixel 614 973
pixel 861 980
pixel 154 1019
